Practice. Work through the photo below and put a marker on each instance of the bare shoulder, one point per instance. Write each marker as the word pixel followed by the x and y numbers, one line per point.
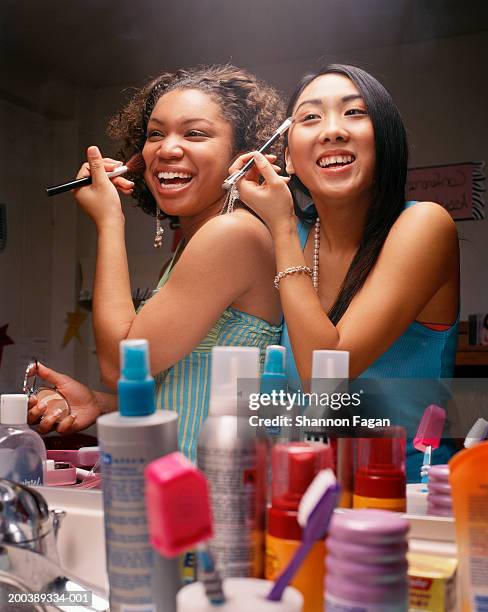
pixel 239 230
pixel 425 221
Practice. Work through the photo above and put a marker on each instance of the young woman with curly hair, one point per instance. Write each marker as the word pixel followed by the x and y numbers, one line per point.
pixel 218 288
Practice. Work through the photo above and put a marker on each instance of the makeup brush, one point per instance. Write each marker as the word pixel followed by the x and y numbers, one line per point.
pixel 236 176
pixel 135 165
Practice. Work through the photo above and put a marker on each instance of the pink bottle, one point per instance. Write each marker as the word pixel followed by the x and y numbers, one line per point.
pixel 439 500
pixel 366 562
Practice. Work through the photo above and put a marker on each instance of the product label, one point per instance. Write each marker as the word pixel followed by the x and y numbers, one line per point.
pixel 236 479
pixel 129 555
pixel 309 579
pixel 22 465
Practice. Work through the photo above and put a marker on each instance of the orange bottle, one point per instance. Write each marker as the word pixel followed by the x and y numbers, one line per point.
pixel 294 466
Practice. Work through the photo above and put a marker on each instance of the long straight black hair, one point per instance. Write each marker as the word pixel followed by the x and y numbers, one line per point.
pixel 389 178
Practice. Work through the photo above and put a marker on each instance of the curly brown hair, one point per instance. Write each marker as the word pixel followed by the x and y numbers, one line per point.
pixel 253 108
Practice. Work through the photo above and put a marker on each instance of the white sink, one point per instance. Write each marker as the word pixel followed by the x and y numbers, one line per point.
pixel 81 540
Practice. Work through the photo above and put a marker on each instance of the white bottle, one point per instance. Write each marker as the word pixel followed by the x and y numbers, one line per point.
pixel 232 456
pixel 140 580
pixel 330 371
pixel 22 451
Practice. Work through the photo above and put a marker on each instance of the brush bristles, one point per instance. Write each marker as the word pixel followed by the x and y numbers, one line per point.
pixel 136 164
pixel 311 497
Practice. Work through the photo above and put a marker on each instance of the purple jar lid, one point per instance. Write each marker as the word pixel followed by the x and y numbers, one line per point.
pixel 376 555
pixel 439 510
pixel 439 473
pixel 391 573
pixel 439 505
pixel 435 487
pixel 345 587
pixel 365 526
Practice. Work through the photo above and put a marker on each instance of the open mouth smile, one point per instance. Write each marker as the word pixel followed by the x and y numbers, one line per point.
pixel 335 161
pixel 169 181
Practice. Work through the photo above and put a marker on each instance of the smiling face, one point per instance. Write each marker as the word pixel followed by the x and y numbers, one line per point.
pixel 331 145
pixel 187 152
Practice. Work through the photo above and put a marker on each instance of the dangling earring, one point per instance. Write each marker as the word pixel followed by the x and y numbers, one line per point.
pixel 230 200
pixel 158 238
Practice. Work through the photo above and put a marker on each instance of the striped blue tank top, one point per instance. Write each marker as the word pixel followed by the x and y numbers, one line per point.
pixel 185 387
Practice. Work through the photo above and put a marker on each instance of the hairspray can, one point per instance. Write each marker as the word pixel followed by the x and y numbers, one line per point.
pixel 232 456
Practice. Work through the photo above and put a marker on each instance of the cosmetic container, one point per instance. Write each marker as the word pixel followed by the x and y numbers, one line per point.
pixel 439 500
pixel 273 382
pixel 380 478
pixel 59 474
pixel 366 566
pixel 294 466
pixel 242 595
pixel 22 451
pixel 139 578
pixel 330 374
pixel 232 455
pixel 85 457
pixel 469 489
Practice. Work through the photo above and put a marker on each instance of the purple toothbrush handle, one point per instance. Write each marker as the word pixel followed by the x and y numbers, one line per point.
pixel 286 577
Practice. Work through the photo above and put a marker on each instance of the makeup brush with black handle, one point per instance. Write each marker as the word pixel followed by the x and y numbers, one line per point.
pixel 135 165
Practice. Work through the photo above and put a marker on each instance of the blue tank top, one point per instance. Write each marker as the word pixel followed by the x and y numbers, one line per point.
pixel 420 352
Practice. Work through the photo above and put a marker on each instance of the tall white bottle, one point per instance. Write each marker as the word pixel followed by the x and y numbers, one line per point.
pixel 330 374
pixel 140 579
pixel 232 455
pixel 22 451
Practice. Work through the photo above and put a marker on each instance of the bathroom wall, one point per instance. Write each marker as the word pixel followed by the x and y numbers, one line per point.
pixel 39 128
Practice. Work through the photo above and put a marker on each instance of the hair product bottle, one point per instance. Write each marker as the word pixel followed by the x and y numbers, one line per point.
pixel 469 491
pixel 294 466
pixel 380 480
pixel 140 580
pixel 232 454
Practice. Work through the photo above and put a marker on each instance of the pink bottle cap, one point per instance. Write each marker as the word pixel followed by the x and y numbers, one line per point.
pixel 430 428
pixel 177 503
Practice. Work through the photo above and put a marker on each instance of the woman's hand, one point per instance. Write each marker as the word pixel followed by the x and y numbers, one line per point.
pixel 82 401
pixel 271 200
pixel 100 200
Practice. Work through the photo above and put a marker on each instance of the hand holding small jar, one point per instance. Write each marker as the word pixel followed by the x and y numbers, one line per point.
pixel 68 406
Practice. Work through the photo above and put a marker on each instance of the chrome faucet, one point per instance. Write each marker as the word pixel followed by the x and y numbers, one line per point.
pixel 29 559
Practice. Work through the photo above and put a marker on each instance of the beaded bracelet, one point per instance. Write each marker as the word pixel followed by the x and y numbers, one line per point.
pixel 293 270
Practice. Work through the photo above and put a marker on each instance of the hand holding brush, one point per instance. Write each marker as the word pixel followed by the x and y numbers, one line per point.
pixel 135 165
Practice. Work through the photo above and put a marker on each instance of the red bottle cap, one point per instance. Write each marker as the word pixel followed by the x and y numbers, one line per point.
pixel 381 465
pixel 294 465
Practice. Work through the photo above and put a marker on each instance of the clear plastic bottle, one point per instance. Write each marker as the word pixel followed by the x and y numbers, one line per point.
pixel 22 451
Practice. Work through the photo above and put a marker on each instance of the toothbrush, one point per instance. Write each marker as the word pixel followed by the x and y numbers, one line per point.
pixel 314 514
pixel 477 433
pixel 209 575
pixel 428 436
pixel 135 165
pixel 180 517
pixel 236 176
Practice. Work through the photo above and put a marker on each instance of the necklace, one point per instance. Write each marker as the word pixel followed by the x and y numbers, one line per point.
pixel 316 248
